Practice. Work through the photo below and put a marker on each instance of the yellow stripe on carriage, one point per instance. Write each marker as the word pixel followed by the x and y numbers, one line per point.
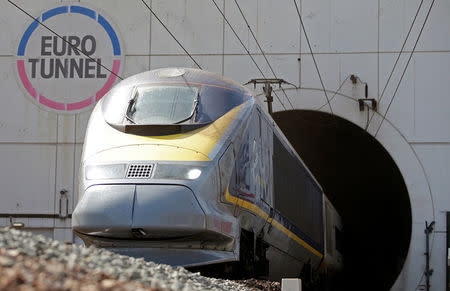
pixel 195 145
pixel 202 140
pixel 252 207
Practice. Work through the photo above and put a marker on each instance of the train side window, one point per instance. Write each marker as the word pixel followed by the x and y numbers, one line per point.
pixel 339 237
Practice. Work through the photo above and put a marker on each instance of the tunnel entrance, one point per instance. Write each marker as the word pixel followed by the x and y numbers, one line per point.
pixel 365 185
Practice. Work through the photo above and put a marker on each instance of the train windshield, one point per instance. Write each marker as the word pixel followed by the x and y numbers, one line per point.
pixel 169 106
pixel 162 104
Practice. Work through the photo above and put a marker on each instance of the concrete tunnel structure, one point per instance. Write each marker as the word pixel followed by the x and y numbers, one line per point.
pixel 386 186
pixel 364 184
pixel 372 182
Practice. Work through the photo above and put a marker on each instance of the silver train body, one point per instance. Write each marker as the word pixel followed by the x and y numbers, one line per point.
pixel 183 167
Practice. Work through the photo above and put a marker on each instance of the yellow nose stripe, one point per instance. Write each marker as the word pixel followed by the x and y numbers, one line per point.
pixel 150 152
pixel 195 145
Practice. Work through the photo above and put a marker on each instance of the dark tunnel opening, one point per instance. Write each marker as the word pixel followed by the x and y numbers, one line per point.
pixel 365 185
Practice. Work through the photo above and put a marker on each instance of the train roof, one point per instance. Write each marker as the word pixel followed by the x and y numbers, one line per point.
pixel 183 75
pixel 171 98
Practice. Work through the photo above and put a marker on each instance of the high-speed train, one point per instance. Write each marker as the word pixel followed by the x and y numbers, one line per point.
pixel 183 167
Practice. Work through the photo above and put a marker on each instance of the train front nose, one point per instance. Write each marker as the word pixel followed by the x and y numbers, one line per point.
pixel 138 211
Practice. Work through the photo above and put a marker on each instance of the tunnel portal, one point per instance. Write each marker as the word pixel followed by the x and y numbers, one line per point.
pixel 365 185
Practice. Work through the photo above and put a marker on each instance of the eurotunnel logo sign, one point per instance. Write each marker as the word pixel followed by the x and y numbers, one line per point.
pixel 54 74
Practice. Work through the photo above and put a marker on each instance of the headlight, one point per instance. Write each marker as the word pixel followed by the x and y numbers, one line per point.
pixel 115 171
pixel 161 171
pixel 194 174
pixel 180 172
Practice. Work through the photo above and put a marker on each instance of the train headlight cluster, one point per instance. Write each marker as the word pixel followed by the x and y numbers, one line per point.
pixel 178 172
pixel 161 171
pixel 111 171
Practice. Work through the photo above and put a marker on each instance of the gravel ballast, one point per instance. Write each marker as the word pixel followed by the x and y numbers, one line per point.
pixel 37 262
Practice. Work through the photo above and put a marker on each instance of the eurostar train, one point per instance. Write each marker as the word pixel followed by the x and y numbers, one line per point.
pixel 183 167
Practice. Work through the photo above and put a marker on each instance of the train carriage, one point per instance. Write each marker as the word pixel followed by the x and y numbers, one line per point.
pixel 181 166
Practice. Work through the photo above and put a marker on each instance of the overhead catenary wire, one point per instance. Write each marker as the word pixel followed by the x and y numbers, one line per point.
pixel 245 48
pixel 237 36
pixel 406 67
pixel 171 34
pixel 396 61
pixel 336 92
pixel 312 55
pixel 65 40
pixel 262 51
pixel 323 123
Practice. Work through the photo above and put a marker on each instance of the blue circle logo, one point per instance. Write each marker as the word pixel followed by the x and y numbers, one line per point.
pixel 70 71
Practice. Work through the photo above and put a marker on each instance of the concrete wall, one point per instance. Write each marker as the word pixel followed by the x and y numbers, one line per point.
pixel 40 148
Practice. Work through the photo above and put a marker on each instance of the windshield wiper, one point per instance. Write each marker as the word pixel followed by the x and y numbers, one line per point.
pixel 192 113
pixel 129 119
pixel 130 106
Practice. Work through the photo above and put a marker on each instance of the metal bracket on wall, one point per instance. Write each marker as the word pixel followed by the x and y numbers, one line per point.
pixel 63 204
pixel 369 102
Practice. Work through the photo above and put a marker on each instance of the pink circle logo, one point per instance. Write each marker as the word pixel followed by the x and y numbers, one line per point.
pixel 69 78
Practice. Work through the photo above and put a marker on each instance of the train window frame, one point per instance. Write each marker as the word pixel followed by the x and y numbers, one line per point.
pixel 329 229
pixel 305 194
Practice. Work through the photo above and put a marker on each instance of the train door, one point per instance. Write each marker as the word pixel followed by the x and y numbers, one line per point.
pixel 255 156
pixel 248 164
pixel 266 160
